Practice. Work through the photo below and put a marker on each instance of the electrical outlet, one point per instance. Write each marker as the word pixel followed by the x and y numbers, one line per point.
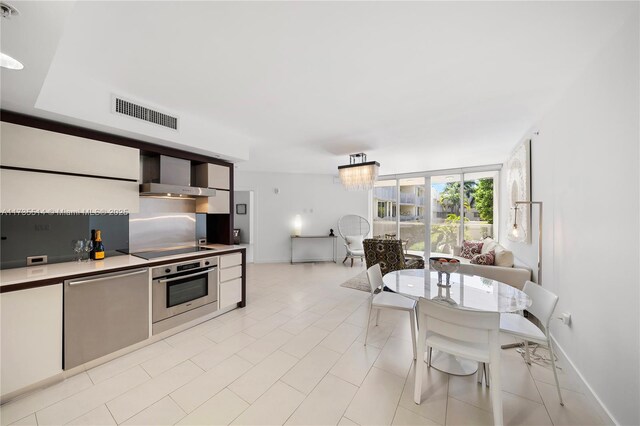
pixel 565 317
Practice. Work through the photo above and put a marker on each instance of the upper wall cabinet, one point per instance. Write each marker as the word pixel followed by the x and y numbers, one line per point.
pixel 31 148
pixel 213 176
pixel 218 204
pixel 22 190
pixel 44 170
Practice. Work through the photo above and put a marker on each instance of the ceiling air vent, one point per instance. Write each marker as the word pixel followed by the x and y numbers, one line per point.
pixel 130 109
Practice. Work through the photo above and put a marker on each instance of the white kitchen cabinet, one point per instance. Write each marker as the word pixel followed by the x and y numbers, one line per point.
pixel 23 190
pixel 230 260
pixel 31 148
pixel 31 339
pixel 230 280
pixel 217 204
pixel 59 172
pixel 213 176
pixel 227 274
pixel 230 293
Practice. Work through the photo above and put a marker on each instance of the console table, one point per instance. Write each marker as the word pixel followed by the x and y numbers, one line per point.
pixel 334 244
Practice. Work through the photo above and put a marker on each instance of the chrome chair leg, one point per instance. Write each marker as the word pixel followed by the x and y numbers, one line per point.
pixel 555 373
pixel 486 374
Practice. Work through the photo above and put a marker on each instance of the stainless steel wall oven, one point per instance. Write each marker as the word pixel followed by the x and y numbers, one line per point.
pixel 181 287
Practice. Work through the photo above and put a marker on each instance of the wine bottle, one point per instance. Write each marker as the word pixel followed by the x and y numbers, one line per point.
pixel 98 247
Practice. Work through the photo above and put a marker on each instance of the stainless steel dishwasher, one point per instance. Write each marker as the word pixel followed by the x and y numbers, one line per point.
pixel 104 313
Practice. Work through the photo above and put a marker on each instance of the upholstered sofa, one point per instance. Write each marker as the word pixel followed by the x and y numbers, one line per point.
pixel 390 255
pixel 503 270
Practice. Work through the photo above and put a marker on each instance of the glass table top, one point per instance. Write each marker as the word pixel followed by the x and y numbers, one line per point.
pixel 466 291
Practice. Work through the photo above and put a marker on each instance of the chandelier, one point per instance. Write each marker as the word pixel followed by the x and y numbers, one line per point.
pixel 359 174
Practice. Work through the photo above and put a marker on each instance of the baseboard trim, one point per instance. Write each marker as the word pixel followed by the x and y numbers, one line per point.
pixel 594 395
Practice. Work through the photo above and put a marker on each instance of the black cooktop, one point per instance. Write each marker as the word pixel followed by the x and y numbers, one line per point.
pixel 154 254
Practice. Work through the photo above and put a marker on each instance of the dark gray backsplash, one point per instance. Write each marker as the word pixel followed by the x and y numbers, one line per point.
pixel 53 235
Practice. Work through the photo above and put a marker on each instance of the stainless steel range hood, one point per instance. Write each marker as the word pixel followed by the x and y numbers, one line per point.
pixel 168 177
pixel 159 189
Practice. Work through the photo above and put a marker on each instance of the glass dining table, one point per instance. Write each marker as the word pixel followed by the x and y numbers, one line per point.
pixel 465 292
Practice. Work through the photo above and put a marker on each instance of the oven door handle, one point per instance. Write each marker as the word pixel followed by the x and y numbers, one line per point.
pixel 206 271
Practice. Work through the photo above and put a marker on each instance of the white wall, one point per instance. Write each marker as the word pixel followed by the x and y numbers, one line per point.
pixel 90 107
pixel 243 221
pixel 585 169
pixel 316 198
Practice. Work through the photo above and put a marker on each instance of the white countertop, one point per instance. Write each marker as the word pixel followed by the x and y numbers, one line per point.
pixel 65 269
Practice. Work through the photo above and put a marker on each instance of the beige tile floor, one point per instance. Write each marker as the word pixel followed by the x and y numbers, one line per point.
pixel 295 355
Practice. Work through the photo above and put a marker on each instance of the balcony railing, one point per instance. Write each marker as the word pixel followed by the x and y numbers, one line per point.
pixel 409 198
pixel 411 218
pixel 389 194
pixel 385 193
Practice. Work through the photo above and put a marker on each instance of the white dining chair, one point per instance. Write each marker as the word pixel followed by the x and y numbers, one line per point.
pixel 464 333
pixel 388 300
pixel 544 303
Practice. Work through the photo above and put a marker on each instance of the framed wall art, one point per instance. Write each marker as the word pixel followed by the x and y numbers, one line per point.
pixel 519 189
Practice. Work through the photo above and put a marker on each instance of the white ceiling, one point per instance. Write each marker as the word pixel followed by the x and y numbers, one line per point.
pixel 297 86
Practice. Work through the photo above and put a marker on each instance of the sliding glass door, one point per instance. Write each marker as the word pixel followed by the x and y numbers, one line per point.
pixel 399 212
pixel 385 208
pixel 445 213
pixel 442 209
pixel 464 207
pixel 412 218
pixel 479 212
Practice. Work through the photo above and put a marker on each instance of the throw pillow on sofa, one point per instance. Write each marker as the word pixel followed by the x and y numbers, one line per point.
pixel 488 244
pixel 488 258
pixel 504 257
pixel 470 249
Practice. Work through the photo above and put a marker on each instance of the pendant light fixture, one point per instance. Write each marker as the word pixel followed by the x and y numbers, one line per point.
pixel 359 174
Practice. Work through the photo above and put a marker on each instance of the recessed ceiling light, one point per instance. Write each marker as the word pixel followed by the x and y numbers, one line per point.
pixel 7 61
